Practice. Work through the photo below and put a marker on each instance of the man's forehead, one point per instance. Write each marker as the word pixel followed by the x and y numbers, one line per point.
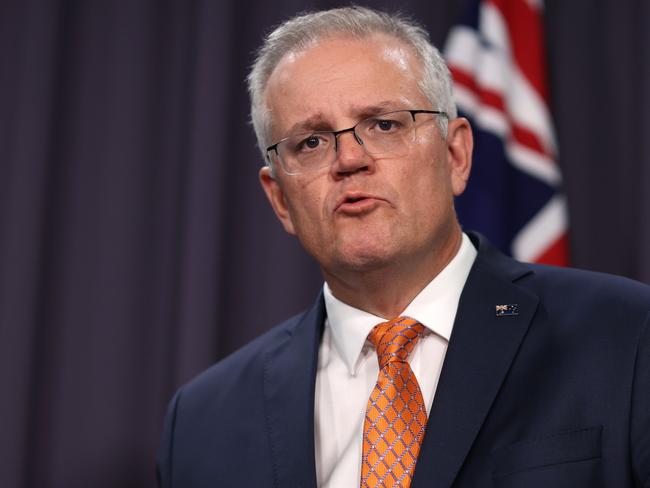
pixel 336 81
pixel 375 55
pixel 385 46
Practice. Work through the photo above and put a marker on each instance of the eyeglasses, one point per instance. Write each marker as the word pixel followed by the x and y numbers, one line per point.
pixel 385 135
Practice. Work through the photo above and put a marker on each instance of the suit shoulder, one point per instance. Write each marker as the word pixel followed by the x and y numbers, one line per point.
pixel 577 281
pixel 573 296
pixel 561 284
pixel 245 363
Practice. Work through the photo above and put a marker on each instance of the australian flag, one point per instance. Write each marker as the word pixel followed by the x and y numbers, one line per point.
pixel 497 59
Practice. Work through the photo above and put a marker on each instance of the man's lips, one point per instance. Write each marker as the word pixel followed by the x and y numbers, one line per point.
pixel 354 203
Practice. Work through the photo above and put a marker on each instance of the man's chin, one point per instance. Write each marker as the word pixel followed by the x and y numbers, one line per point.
pixel 364 258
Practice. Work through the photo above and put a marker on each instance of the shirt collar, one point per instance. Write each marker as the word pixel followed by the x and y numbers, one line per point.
pixel 434 307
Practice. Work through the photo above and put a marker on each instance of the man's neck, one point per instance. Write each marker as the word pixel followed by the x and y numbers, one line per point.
pixel 387 291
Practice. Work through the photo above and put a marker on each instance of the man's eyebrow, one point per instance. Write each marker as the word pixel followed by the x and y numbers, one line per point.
pixel 318 121
pixel 315 122
pixel 377 108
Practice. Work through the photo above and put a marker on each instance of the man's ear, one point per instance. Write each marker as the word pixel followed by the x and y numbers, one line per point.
pixel 460 143
pixel 275 194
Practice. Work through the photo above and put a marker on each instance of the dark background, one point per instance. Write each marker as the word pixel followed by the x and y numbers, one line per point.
pixel 136 247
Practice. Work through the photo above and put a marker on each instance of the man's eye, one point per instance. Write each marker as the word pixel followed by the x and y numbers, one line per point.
pixel 385 125
pixel 310 143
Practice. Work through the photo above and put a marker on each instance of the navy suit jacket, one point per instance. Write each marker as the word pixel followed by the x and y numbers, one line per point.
pixel 557 395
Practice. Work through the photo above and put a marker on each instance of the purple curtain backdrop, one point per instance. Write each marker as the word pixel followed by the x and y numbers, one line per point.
pixel 136 247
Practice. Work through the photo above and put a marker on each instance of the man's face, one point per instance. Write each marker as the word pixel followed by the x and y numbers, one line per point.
pixel 364 213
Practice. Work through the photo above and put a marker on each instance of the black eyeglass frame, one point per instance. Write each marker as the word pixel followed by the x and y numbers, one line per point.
pixel 336 133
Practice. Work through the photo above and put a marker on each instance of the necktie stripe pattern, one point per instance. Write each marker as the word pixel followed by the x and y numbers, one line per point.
pixel 396 416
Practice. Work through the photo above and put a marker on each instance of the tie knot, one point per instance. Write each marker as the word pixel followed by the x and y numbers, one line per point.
pixel 395 339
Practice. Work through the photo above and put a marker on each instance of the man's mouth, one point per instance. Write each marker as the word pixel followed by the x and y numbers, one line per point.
pixel 354 199
pixel 357 203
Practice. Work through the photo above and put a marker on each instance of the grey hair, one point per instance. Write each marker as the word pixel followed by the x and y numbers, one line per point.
pixel 303 31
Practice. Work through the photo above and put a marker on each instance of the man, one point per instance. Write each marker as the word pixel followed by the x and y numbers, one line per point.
pixel 429 359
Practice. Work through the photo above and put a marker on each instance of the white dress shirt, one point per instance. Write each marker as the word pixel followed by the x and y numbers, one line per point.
pixel 348 367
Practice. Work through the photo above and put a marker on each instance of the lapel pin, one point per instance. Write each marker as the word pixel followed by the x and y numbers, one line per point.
pixel 507 310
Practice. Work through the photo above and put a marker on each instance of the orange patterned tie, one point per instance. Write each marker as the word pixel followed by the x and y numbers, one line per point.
pixel 396 415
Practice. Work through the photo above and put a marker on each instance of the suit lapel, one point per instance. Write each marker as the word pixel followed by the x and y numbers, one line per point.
pixel 481 349
pixel 289 383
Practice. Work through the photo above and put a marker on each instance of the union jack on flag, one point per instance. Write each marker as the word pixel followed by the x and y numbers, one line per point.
pixel 497 59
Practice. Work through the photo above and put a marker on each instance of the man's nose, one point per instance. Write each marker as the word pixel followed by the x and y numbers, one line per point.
pixel 350 154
